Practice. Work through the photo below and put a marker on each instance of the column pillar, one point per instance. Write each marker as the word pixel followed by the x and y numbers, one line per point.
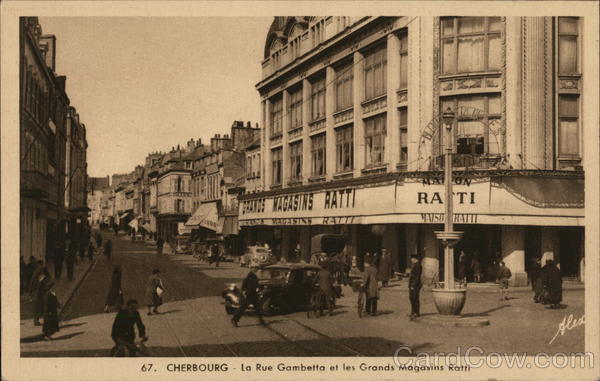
pixel 431 260
pixel 285 242
pixel 412 246
pixel 306 142
pixel 390 243
pixel 330 154
pixel 359 129
pixel 392 138
pixel 513 91
pixel 285 160
pixel 305 243
pixel 267 170
pixel 513 253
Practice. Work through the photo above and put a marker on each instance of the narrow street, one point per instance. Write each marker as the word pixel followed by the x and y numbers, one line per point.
pixel 193 322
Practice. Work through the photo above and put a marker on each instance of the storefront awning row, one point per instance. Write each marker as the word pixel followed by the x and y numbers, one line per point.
pixel 501 200
pixel 206 216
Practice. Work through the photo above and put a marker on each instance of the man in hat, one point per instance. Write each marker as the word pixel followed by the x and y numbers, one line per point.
pixel 504 275
pixel 414 286
pixel 371 287
pixel 324 282
pixel 249 296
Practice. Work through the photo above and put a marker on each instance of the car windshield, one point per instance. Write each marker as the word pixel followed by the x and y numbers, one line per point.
pixel 274 274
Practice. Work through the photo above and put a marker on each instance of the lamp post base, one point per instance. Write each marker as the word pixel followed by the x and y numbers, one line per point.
pixel 449 301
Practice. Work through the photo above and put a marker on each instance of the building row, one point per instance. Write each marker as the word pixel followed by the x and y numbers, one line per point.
pixel 53 147
pixel 191 189
pixel 354 112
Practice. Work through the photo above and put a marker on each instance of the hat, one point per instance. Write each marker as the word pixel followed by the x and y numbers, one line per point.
pixel 415 256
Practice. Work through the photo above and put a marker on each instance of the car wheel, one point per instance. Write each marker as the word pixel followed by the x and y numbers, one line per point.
pixel 267 307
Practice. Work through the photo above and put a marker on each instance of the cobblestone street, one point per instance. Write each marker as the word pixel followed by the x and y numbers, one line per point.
pixel 193 321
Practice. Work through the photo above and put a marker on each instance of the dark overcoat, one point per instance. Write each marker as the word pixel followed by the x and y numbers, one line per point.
pixel 370 283
pixel 115 292
pixel 552 283
pixel 152 297
pixel 50 313
pixel 384 270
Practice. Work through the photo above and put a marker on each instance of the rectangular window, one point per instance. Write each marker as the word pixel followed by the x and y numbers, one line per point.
pixel 295 109
pixel 375 139
pixel 276 117
pixel 276 156
pixel 403 122
pixel 343 88
pixel 296 161
pixel 404 61
pixel 344 146
pixel 568 125
pixel 476 126
pixel 568 33
pixel 375 72
pixel 317 99
pixel 318 32
pixel 318 155
pixel 470 44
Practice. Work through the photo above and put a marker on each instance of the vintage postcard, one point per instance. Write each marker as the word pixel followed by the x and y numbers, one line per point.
pixel 300 190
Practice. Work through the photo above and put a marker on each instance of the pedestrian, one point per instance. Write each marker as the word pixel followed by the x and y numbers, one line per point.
pixel 108 249
pixel 504 275
pixel 82 246
pixel 215 255
pixel 29 270
pixel 50 302
pixel 476 266
pixel 384 270
pixel 159 245
pixel 414 286
pixel 70 250
pixel 40 286
pixel 324 282
pixel 249 296
pixel 371 288
pixel 98 239
pixel 154 292
pixel 552 283
pixel 90 251
pixel 123 332
pixel 368 258
pixel 462 267
pixel 535 273
pixel 115 292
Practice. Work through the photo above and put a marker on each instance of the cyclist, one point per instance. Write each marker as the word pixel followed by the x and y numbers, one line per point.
pixel 123 333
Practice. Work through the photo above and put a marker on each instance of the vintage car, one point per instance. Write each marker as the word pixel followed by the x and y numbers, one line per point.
pixel 257 256
pixel 283 287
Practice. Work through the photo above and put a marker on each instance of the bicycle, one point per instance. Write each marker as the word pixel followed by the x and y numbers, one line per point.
pixel 123 350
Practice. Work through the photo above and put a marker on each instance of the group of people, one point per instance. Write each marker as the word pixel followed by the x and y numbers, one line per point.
pixel 546 283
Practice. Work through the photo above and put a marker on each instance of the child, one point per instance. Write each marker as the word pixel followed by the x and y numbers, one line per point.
pixel 504 275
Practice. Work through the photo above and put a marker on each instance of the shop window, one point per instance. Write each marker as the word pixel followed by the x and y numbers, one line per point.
pixel 403 122
pixel 277 117
pixel 375 130
pixel 296 161
pixel 375 73
pixel 344 77
pixel 470 44
pixel 318 155
pixel 317 96
pixel 344 142
pixel 404 61
pixel 276 156
pixel 295 109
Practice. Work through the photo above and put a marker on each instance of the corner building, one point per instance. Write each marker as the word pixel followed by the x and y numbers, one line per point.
pixel 353 142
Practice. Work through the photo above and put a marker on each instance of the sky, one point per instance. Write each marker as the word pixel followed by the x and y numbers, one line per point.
pixel 144 84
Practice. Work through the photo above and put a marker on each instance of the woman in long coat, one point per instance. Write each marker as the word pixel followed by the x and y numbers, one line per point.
pixel 115 292
pixel 50 313
pixel 384 270
pixel 552 283
pixel 154 292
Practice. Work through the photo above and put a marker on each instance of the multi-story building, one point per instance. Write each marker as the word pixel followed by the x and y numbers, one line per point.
pixel 97 187
pixel 354 110
pixel 75 174
pixel 43 144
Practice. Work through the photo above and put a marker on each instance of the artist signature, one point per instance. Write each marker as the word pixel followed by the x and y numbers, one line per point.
pixel 567 324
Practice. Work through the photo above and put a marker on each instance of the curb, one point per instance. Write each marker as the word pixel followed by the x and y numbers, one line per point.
pixel 85 274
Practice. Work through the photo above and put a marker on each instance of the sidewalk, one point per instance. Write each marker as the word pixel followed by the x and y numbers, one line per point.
pixel 64 288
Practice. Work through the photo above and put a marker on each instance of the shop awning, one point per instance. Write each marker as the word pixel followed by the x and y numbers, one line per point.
pixel 545 192
pixel 206 216
pixel 134 223
pixel 230 225
pixel 148 227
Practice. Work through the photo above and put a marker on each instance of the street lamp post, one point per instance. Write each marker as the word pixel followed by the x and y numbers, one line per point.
pixel 449 300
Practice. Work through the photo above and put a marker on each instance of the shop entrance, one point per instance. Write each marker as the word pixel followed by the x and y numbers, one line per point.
pixel 571 239
pixel 480 243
